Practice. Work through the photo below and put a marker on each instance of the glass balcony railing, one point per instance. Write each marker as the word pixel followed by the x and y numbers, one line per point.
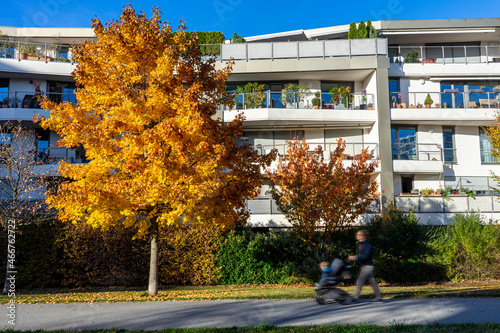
pixel 448 98
pixel 35 51
pixel 462 54
pixel 29 99
pixel 266 205
pixel 488 157
pixel 422 152
pixel 352 150
pixel 292 100
pixel 55 155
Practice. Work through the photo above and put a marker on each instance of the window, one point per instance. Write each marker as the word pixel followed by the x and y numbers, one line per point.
pixel 394 90
pixel 4 90
pixel 327 86
pixel 452 94
pixel 404 143
pixel 61 91
pixel 486 148
pixel 274 87
pixel 406 184
pixel 263 141
pixel 448 146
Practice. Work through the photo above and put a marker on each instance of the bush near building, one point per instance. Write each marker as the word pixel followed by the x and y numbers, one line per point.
pixel 468 248
pixel 53 254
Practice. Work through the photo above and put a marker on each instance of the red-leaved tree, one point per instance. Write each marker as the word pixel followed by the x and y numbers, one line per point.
pixel 315 195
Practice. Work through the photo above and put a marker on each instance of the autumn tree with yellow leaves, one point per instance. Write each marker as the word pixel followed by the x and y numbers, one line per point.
pixel 145 114
pixel 318 196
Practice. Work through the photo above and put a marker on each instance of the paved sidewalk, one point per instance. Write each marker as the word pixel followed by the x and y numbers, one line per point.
pixel 229 313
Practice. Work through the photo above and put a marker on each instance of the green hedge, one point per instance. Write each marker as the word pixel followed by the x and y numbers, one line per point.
pixel 56 254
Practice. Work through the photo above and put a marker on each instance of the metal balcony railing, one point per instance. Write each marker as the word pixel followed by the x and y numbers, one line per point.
pixel 293 100
pixel 448 98
pixel 422 152
pixel 463 54
pixel 267 206
pixel 55 155
pixel 351 151
pixel 29 99
pixel 35 51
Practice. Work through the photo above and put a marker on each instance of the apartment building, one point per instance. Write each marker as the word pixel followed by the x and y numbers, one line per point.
pixel 454 63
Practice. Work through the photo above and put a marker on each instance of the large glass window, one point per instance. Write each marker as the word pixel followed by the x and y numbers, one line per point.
pixel 61 91
pixel 274 87
pixel 470 94
pixel 263 141
pixel 456 52
pixel 4 90
pixel 448 146
pixel 452 94
pixel 404 143
pixel 394 89
pixel 327 86
pixel 486 148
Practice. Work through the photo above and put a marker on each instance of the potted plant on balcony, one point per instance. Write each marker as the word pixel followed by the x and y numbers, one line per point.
pixel 428 101
pixel 6 102
pixel 293 95
pixel 316 101
pixel 412 57
pixel 254 96
pixel 426 191
pixel 342 94
pixel 27 51
pixel 438 105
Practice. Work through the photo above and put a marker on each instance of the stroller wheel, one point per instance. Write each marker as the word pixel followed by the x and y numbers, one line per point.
pixel 320 299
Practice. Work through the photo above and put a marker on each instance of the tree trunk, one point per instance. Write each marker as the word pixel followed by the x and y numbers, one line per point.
pixel 6 282
pixel 153 264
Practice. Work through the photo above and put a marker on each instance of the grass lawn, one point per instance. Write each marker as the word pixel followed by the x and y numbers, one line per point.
pixel 489 288
pixel 453 328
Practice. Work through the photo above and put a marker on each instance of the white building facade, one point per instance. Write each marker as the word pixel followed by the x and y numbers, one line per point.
pixel 454 62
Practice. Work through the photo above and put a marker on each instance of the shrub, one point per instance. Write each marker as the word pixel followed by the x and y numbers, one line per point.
pixel 353 31
pixel 278 257
pixel 428 100
pixel 468 248
pixel 400 247
pixel 187 254
pixel 411 57
pixel 362 33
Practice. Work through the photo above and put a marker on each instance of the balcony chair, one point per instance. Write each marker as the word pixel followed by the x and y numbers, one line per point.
pixel 472 105
pixel 491 103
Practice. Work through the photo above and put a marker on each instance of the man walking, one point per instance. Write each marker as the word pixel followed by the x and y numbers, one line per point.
pixel 365 259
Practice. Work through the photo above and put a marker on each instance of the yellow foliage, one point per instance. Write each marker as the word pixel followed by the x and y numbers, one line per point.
pixel 145 114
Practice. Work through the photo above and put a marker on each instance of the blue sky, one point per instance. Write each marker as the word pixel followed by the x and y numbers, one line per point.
pixel 247 18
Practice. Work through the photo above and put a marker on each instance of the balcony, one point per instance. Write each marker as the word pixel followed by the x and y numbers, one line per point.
pixel 322 49
pixel 450 106
pixel 267 206
pixel 421 158
pixel 23 105
pixel 54 155
pixel 463 54
pixel 35 51
pixel 269 108
pixel 352 149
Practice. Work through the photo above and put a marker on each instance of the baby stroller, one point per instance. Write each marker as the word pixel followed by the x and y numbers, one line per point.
pixel 330 292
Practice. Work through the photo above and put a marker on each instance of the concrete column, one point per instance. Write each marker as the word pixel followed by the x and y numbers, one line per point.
pixel 384 132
